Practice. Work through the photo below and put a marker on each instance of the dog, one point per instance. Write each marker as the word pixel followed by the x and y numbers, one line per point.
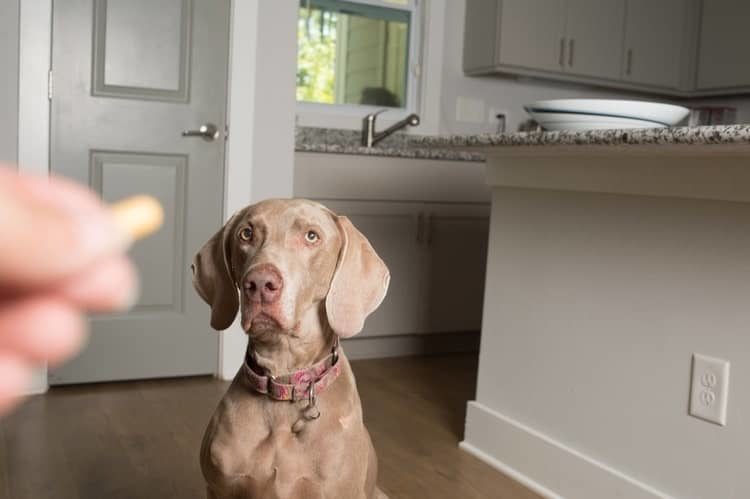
pixel 290 425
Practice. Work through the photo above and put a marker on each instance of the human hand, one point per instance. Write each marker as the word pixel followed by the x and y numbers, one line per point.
pixel 61 255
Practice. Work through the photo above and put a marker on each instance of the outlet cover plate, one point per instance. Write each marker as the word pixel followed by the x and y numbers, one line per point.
pixel 709 391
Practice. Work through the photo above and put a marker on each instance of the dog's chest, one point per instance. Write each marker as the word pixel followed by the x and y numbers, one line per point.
pixel 273 461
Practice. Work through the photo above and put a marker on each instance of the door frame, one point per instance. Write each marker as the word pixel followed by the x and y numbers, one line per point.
pixel 244 176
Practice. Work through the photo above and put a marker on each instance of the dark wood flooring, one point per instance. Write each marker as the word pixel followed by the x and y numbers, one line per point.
pixel 141 439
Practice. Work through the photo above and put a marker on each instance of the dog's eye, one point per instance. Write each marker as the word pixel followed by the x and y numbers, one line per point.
pixel 312 236
pixel 246 234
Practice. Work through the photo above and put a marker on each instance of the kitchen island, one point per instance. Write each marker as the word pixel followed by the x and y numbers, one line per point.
pixel 613 256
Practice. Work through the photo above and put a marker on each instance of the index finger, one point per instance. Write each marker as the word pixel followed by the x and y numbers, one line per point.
pixel 51 229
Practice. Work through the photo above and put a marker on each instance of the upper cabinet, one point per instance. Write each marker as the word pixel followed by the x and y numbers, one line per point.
pixel 593 32
pixel 580 37
pixel 532 48
pixel 682 48
pixel 654 34
pixel 724 39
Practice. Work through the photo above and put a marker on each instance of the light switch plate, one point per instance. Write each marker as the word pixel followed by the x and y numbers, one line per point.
pixel 709 392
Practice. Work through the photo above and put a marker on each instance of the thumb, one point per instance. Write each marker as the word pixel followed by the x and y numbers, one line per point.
pixel 50 229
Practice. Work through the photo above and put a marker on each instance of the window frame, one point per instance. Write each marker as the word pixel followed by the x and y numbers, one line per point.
pixel 309 111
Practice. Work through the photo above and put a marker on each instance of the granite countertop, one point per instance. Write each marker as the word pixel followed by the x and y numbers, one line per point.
pixel 471 147
pixel 398 145
pixel 703 135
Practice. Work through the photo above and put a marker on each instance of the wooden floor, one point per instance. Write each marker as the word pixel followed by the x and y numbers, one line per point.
pixel 141 439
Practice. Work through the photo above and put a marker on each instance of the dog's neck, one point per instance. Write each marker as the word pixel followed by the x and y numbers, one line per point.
pixel 290 351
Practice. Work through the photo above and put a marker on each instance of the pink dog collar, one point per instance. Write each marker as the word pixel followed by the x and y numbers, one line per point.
pixel 294 386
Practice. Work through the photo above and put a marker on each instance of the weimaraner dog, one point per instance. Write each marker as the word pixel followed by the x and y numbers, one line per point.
pixel 290 425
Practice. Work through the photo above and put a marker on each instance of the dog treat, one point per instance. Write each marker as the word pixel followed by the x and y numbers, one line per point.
pixel 138 216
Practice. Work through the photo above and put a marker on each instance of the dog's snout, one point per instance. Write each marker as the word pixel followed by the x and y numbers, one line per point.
pixel 264 284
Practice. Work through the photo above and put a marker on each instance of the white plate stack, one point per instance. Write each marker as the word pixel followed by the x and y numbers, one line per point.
pixel 598 114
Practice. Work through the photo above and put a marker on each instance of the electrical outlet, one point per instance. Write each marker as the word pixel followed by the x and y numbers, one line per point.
pixel 494 111
pixel 709 389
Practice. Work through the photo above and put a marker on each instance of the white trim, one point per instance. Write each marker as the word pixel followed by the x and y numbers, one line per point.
pixel 543 464
pixel 237 174
pixel 35 42
pixel 260 148
pixel 34 47
pixel 433 37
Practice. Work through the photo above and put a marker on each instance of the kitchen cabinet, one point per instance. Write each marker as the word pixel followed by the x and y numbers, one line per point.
pixel 724 37
pixel 537 48
pixel 582 37
pixel 436 253
pixel 679 48
pixel 593 37
pixel 453 292
pixel 653 42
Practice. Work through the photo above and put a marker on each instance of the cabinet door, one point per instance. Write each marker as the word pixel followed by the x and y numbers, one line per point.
pixel 653 41
pixel 454 276
pixel 392 229
pixel 480 31
pixel 594 31
pixel 724 38
pixel 531 34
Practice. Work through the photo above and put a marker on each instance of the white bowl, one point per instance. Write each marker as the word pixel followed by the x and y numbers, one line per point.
pixel 580 122
pixel 600 112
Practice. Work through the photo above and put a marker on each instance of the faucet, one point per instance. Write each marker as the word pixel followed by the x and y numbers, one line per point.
pixel 370 137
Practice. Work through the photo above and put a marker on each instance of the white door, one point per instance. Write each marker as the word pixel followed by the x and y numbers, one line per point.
pixel 653 41
pixel 594 30
pixel 128 77
pixel 531 33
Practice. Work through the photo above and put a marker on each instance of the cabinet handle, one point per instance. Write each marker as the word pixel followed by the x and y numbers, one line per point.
pixel 420 224
pixel 571 49
pixel 629 63
pixel 561 59
pixel 429 229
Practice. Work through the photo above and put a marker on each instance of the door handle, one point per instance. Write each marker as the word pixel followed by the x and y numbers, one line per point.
pixel 207 132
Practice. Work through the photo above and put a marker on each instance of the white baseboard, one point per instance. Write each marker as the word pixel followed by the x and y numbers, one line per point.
pixel 543 464
pixel 373 347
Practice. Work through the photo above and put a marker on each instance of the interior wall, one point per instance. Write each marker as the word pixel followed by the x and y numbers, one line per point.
pixel 9 81
pixel 598 303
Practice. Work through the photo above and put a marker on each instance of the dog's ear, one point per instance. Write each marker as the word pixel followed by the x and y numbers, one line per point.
pixel 212 277
pixel 359 282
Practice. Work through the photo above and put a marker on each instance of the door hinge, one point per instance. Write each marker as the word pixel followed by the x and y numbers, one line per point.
pixel 226 132
pixel 49 85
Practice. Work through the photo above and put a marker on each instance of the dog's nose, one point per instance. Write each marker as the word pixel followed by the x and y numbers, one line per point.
pixel 264 284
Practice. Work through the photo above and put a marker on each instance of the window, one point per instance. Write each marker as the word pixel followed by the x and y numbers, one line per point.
pixel 356 52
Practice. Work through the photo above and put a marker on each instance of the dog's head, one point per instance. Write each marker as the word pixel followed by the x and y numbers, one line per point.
pixel 285 261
